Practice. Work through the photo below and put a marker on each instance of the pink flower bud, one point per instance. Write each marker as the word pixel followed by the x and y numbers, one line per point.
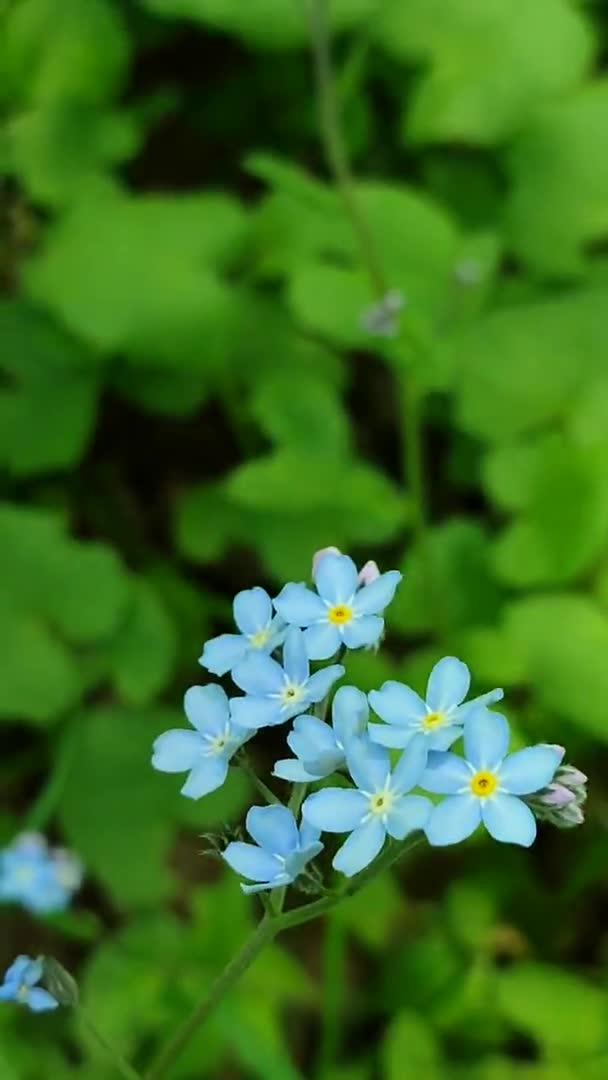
pixel 369 572
pixel 557 795
pixel 320 554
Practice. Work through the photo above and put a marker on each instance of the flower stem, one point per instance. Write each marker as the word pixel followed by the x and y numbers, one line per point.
pixel 120 1063
pixel 263 933
pixel 263 788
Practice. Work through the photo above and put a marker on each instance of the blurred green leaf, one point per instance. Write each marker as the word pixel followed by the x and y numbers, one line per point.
pixel 143 650
pixel 560 1010
pixel 311 414
pixel 410 1048
pixel 486 69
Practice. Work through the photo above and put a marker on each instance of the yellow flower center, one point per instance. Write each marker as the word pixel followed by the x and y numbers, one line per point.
pixel 290 694
pixel 22 992
pixel 260 638
pixel 433 720
pixel 483 783
pixel 218 744
pixel 381 802
pixel 340 614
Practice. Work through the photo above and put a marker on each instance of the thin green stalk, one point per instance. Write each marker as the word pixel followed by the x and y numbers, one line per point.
pixel 263 788
pixel 120 1063
pixel 264 933
pixel 261 936
pixel 413 465
pixel 333 982
pixel 43 808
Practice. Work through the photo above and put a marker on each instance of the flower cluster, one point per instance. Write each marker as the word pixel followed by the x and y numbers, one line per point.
pixel 40 878
pixel 391 762
pixel 21 985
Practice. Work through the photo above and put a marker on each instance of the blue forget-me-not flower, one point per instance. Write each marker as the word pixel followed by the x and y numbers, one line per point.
pixel 340 612
pixel 281 850
pixel 379 806
pixel 275 693
pixel 440 718
pixel 320 747
pixel 40 878
pixel 20 985
pixel 485 786
pixel 259 631
pixel 204 753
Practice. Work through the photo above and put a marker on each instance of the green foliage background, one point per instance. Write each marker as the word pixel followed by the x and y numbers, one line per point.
pixel 189 406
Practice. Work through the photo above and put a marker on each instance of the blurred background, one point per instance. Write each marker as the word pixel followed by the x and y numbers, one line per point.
pixel 194 396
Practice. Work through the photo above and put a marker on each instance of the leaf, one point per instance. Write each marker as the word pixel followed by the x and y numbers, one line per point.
pixel 307 414
pixel 484 70
pixel 558 166
pixel 143 650
pixel 38 677
pixel 267 24
pixel 49 56
pixel 51 389
pixel 154 289
pixel 560 1010
pixel 410 1048
pixel 563 638
pixel 114 811
pixel 520 367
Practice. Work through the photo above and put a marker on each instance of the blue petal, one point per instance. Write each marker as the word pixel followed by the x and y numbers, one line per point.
pixel 336 579
pixel 299 606
pixel 311 736
pixel 486 739
pixel 32 973
pixel 448 684
pixel 207 776
pixel 397 704
pixel 296 862
pixel 39 1000
pixel 408 814
pixel 253 713
pixel 335 809
pixel 445 773
pixel 442 738
pixel 259 674
pixel 397 738
pixel 453 820
pixel 322 681
pixel 410 767
pixel 368 764
pixel 8 992
pixel 529 770
pixel 509 819
pixel 251 862
pixel 207 709
pixel 364 630
pixel 17 968
pixel 349 712
pixel 273 828
pixel 177 750
pixel 361 847
pixel 295 658
pixel 252 610
pixel 220 654
pixel 277 882
pixel 322 640
pixel 461 713
pixel 373 599
pixel 309 835
pixel 293 770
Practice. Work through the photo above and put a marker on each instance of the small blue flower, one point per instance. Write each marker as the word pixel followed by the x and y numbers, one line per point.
pixel 340 613
pixel 440 718
pixel 485 785
pixel 41 879
pixel 276 693
pixel 281 850
pixel 20 985
pixel 381 804
pixel 205 752
pixel 259 632
pixel 319 747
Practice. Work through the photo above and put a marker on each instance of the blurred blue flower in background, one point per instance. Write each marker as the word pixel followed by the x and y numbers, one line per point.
pixel 440 718
pixel 275 693
pixel 379 807
pixel 20 985
pixel 281 850
pixel 485 785
pixel 260 631
pixel 205 752
pixel 320 747
pixel 40 878
pixel 340 613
